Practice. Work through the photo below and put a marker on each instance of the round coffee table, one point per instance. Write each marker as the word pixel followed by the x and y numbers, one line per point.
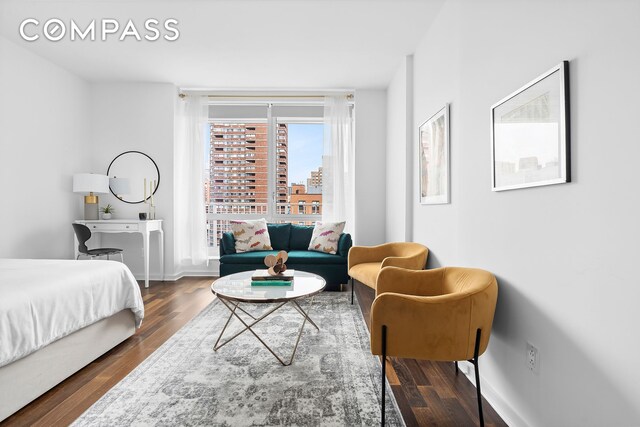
pixel 234 289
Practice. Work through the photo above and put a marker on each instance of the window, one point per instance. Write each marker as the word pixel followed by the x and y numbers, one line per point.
pixel 262 162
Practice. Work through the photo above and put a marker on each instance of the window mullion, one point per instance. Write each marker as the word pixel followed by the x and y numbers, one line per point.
pixel 271 163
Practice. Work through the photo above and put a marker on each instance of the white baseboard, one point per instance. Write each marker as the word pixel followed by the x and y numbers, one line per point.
pixel 499 404
pixel 177 276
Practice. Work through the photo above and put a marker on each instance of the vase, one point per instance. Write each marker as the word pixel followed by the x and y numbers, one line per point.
pixel 106 216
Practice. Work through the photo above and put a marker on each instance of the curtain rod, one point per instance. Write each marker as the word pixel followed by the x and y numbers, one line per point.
pixel 349 96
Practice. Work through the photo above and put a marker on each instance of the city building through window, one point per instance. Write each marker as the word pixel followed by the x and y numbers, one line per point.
pixel 262 165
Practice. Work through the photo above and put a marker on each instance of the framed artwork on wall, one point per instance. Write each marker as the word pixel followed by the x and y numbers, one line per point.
pixel 530 133
pixel 433 142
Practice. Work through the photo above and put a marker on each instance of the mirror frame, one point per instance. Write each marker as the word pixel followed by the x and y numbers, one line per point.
pixel 154 164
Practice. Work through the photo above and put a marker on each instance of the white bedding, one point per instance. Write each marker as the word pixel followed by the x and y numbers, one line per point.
pixel 44 300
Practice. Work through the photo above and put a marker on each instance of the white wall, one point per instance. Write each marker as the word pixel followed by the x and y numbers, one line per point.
pixel 399 153
pixel 44 137
pixel 564 255
pixel 137 116
pixel 370 186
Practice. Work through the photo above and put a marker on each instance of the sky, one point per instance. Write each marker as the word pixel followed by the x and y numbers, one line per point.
pixel 305 150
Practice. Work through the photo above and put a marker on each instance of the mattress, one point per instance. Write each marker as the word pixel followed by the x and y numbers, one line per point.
pixel 42 301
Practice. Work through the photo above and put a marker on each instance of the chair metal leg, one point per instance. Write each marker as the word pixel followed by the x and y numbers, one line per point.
pixel 384 372
pixel 352 289
pixel 477 369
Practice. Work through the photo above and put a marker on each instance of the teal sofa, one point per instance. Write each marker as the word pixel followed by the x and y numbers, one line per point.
pixel 295 240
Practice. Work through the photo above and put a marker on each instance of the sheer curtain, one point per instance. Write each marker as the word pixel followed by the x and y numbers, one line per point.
pixel 189 212
pixel 338 163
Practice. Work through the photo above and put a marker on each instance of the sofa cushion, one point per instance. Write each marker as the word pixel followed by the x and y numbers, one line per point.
pixel 366 273
pixel 300 237
pixel 253 257
pixel 229 243
pixel 279 235
pixel 251 235
pixel 295 257
pixel 344 244
pixel 311 257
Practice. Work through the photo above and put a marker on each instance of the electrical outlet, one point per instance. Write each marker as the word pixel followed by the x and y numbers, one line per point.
pixel 532 358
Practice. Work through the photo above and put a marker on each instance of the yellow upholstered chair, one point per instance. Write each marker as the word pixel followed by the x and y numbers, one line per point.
pixel 365 262
pixel 444 314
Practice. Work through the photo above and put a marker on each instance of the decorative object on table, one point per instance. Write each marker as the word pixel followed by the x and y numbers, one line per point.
pixel 325 237
pixel 83 233
pixel 276 263
pixel 119 187
pixel 251 235
pixel 142 216
pixel 90 183
pixel 107 211
pixel 136 167
pixel 332 384
pixel 152 190
pixel 265 278
pixel 433 152
pixel 277 273
pixel 530 133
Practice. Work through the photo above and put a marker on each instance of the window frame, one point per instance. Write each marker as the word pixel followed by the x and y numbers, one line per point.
pixel 271 214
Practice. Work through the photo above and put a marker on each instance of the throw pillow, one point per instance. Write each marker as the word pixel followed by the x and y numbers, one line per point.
pixel 325 237
pixel 251 235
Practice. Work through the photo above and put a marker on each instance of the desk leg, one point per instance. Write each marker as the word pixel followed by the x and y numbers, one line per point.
pixel 161 242
pixel 145 244
pixel 75 246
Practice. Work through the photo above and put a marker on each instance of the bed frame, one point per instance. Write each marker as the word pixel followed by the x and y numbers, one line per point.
pixel 25 379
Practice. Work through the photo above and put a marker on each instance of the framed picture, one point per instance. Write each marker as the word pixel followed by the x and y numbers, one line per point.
pixel 530 133
pixel 434 158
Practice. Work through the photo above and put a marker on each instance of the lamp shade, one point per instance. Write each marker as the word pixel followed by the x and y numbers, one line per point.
pixel 119 186
pixel 90 183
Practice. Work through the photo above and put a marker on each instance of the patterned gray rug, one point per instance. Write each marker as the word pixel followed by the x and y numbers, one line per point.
pixel 333 381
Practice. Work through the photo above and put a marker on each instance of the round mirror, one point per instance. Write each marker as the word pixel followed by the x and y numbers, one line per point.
pixel 139 170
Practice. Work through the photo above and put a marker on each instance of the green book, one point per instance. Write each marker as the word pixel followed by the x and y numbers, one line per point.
pixel 271 283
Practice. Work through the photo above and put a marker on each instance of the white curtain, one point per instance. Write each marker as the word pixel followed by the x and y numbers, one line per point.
pixel 189 212
pixel 338 163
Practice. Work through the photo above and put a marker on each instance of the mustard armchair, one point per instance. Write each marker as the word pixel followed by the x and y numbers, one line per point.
pixel 444 314
pixel 365 262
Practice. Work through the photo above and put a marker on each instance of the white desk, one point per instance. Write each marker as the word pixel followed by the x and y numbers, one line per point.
pixel 130 226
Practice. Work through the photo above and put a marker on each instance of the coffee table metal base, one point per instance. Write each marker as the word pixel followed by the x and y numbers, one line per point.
pixel 234 307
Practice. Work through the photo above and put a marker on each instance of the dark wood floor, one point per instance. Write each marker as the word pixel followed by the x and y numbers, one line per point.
pixel 428 393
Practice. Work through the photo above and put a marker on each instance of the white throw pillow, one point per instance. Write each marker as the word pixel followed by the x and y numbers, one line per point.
pixel 325 237
pixel 251 235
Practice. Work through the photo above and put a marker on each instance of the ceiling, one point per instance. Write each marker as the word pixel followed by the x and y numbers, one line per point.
pixel 234 44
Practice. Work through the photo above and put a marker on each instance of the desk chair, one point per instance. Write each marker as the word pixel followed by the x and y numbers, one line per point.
pixel 83 233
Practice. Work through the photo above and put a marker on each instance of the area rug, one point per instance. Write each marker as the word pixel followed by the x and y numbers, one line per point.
pixel 333 381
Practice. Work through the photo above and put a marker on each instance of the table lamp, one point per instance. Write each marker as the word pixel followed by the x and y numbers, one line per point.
pixel 90 183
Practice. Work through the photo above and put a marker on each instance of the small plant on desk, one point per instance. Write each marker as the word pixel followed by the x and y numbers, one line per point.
pixel 107 211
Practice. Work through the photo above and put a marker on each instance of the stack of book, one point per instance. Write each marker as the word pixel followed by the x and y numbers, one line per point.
pixel 263 278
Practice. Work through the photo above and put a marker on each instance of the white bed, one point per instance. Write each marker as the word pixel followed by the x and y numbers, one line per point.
pixel 56 316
